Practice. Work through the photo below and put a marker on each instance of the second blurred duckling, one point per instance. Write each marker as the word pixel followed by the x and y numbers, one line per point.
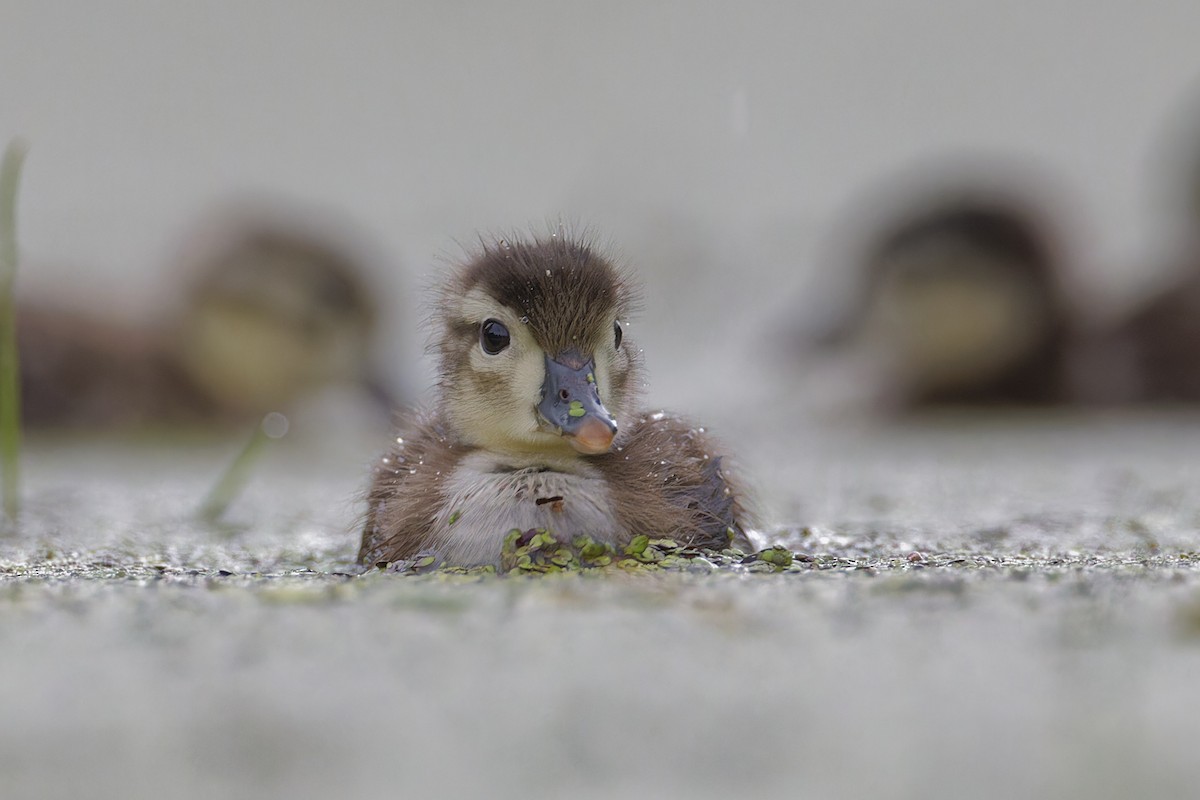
pixel 273 314
pixel 277 315
pixel 960 304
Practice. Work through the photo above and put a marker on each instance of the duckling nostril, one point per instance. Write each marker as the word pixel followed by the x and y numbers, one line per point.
pixel 564 394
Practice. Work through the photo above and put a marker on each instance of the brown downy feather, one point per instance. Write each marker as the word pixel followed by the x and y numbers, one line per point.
pixel 407 481
pixel 667 482
pixel 562 286
pixel 665 478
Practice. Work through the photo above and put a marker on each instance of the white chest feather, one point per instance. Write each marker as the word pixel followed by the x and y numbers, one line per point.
pixel 484 500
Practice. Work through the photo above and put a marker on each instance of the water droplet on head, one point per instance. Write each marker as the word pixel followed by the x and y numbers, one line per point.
pixel 547 273
pixel 524 320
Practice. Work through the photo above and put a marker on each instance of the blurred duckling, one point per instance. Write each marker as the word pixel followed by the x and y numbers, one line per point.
pixel 271 316
pixel 536 422
pixel 275 316
pixel 960 304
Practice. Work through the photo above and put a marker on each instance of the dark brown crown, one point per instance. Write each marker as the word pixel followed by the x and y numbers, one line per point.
pixel 563 287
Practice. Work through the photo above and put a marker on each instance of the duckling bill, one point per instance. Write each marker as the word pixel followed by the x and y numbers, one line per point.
pixel 536 422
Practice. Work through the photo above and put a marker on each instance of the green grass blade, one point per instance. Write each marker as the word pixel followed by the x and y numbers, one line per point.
pixel 10 387
pixel 237 475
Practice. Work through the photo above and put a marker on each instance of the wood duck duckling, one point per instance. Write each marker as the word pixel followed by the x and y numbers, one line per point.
pixel 960 305
pixel 536 422
pixel 271 315
pixel 277 315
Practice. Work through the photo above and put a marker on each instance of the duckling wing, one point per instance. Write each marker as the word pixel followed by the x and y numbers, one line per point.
pixel 667 480
pixel 405 493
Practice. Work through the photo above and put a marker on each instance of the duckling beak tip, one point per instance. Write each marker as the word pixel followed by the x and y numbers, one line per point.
pixel 592 437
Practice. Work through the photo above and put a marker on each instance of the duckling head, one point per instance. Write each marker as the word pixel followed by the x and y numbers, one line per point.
pixel 533 357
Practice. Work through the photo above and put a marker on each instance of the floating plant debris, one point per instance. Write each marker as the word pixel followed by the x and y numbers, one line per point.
pixel 539 551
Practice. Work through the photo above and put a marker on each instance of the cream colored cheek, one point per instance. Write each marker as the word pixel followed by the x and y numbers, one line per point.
pixel 523 373
pixel 528 376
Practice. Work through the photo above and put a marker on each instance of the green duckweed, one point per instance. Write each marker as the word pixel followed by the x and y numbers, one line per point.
pixel 538 551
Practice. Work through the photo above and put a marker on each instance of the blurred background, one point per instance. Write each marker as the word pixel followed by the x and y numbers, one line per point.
pixel 759 164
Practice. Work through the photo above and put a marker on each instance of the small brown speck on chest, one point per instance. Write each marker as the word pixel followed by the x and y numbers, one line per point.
pixel 555 502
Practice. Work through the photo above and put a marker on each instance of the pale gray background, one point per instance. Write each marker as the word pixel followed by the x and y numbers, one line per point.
pixel 716 144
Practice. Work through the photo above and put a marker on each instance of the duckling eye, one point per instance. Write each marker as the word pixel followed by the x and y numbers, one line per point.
pixel 617 334
pixel 493 336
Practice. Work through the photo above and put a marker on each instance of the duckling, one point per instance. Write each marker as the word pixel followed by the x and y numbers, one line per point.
pixel 961 304
pixel 536 422
pixel 272 314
